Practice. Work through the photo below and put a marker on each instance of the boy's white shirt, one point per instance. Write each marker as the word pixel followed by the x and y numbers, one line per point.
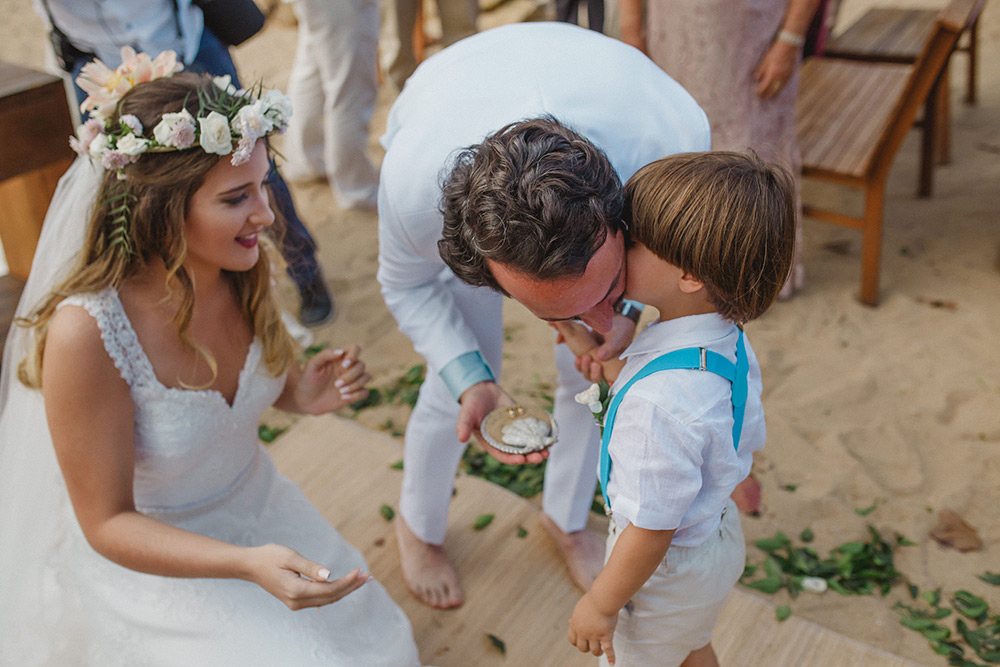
pixel 673 462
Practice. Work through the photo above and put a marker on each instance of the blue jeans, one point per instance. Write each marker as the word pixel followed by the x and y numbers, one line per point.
pixel 298 247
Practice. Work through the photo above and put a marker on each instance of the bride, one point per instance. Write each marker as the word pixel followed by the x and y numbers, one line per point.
pixel 170 538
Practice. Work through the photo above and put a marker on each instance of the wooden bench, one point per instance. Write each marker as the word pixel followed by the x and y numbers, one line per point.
pixel 35 126
pixel 898 35
pixel 853 117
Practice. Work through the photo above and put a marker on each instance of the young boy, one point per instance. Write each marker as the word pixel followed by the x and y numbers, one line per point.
pixel 711 247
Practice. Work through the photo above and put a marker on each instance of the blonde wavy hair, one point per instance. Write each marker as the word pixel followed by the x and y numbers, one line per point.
pixel 160 187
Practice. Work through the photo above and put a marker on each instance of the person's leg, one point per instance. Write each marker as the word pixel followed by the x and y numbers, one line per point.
pixel 566 11
pixel 299 250
pixel 303 140
pixel 458 19
pixel 396 41
pixel 571 476
pixel 80 94
pixel 595 15
pixel 431 457
pixel 341 38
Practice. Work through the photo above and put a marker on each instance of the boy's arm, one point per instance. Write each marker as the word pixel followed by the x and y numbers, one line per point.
pixel 637 554
pixel 583 342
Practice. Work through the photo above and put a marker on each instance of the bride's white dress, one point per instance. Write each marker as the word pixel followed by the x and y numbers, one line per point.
pixel 199 465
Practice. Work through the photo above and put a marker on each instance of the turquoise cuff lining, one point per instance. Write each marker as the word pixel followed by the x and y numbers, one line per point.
pixel 636 304
pixel 464 371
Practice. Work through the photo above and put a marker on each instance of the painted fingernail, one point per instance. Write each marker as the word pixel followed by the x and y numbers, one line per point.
pixel 338 352
pixel 324 574
pixel 346 363
pixel 338 383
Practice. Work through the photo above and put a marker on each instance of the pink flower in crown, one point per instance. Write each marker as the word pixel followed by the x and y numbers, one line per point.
pixel 105 86
pixel 115 159
pixel 85 134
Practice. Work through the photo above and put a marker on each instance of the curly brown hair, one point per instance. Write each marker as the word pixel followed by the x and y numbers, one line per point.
pixel 534 196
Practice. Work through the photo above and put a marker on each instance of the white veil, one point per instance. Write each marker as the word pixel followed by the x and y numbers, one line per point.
pixel 37 623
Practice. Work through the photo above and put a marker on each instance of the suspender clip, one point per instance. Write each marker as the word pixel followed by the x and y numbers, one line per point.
pixel 702 359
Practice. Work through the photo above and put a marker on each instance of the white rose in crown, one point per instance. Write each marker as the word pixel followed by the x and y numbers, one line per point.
pixel 175 129
pixel 250 122
pixel 276 107
pixel 98 146
pixel 215 135
pixel 224 83
pixel 132 145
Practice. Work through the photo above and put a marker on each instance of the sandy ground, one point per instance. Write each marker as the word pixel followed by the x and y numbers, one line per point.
pixel 897 406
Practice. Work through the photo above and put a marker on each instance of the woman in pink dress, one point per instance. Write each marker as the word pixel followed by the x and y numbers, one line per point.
pixel 739 59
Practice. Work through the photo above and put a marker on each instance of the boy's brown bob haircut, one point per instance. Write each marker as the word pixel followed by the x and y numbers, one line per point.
pixel 727 218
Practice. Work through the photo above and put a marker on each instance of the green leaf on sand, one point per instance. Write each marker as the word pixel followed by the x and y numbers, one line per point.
pixel 482 521
pixel 387 512
pixel 865 511
pixel 269 434
pixel 990 578
pixel 498 643
pixel 772 544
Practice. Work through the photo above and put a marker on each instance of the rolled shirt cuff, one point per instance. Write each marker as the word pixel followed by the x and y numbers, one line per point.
pixel 635 304
pixel 464 371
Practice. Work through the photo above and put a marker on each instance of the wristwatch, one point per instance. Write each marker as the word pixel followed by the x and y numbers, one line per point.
pixel 629 309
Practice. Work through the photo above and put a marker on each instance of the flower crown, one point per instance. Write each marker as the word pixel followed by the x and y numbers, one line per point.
pixel 229 121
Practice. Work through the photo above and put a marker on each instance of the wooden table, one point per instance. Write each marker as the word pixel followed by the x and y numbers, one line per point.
pixel 35 126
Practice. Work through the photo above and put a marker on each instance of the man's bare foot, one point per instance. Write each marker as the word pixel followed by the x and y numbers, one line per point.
pixel 427 571
pixel 582 550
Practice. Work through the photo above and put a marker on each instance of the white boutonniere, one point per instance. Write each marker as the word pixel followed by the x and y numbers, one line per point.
pixel 597 398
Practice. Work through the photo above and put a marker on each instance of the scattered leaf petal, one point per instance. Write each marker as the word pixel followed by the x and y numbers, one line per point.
pixel 952 531
pixel 498 643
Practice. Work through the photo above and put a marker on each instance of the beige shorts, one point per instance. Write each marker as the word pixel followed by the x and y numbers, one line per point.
pixel 676 610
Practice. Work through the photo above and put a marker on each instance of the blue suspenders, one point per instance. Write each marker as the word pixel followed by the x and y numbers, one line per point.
pixel 689 358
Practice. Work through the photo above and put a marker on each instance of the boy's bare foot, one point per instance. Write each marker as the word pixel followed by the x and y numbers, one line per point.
pixel 428 573
pixel 583 551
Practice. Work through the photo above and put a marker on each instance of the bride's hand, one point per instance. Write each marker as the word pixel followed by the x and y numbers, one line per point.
pixel 331 380
pixel 297 581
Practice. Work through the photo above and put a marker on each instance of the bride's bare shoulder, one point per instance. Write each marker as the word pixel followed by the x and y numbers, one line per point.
pixel 73 346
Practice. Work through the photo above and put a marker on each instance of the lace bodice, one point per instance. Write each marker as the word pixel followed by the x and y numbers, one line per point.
pixel 191 447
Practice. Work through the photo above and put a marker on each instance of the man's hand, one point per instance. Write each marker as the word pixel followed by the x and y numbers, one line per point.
pixel 478 401
pixel 590 630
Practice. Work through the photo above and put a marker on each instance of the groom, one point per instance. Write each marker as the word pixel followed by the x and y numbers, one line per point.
pixel 532 210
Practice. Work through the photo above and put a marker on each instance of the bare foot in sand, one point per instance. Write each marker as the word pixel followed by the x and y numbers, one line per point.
pixel 427 571
pixel 582 550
